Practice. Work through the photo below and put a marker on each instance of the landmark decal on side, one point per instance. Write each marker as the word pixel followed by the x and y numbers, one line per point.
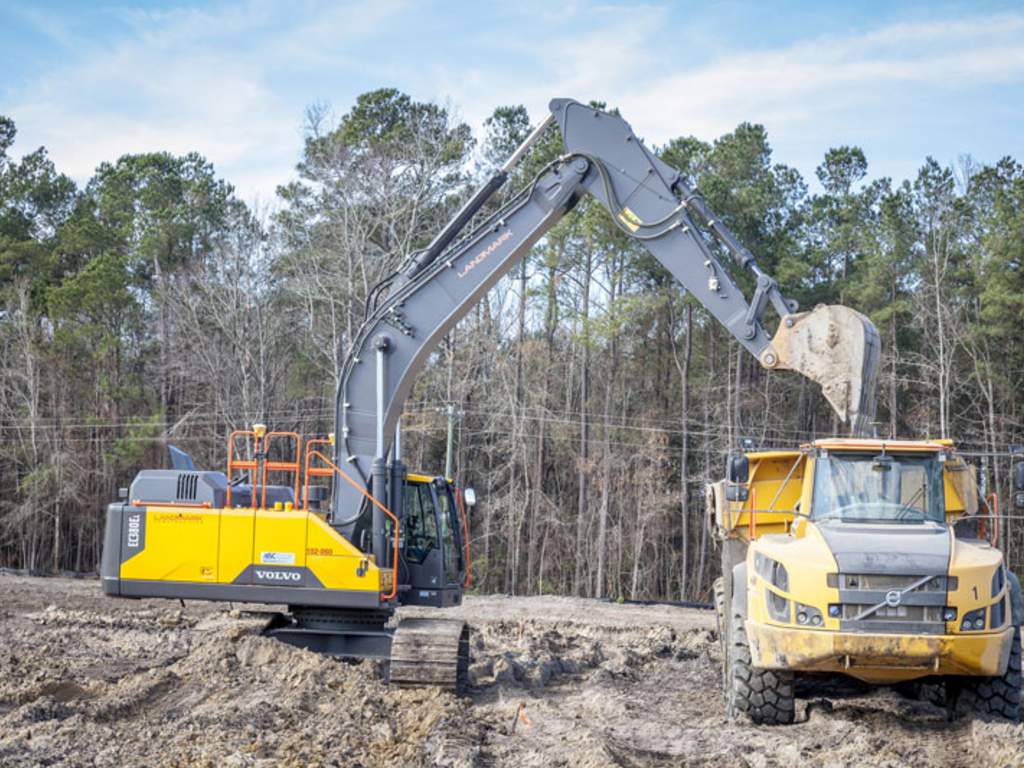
pixel 480 257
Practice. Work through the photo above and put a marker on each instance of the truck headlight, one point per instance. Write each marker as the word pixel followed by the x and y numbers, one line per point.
pixel 973 621
pixel 808 615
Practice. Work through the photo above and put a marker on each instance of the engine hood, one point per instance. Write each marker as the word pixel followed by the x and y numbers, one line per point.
pixel 898 550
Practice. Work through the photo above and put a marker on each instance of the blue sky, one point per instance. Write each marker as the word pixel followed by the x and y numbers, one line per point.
pixel 232 80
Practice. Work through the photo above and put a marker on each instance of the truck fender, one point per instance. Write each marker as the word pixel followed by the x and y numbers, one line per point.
pixel 739 590
pixel 1016 599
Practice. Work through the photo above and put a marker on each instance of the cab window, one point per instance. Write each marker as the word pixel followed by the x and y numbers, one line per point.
pixel 418 533
pixel 449 522
pixel 869 488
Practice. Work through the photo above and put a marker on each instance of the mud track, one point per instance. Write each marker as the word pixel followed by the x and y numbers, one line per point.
pixel 90 681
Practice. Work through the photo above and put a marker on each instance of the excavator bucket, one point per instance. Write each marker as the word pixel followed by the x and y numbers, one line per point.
pixel 838 348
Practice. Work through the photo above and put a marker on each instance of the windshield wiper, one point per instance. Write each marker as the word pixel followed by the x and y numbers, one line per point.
pixel 909 508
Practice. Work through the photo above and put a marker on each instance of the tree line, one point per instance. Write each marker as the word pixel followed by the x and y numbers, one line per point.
pixel 594 397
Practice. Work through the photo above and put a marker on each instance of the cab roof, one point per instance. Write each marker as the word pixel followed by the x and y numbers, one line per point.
pixel 893 446
pixel 857 444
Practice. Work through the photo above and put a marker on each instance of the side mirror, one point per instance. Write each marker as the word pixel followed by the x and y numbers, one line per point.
pixel 469 497
pixel 739 469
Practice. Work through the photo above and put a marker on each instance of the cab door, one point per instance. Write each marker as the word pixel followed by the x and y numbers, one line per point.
pixel 429 549
pixel 450 531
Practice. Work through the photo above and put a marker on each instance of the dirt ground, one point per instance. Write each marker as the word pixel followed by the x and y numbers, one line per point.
pixel 86 680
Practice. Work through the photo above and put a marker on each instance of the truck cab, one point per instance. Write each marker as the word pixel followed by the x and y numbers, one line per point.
pixel 866 558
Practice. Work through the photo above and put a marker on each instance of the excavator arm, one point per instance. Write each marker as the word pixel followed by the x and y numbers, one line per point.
pixel 649 201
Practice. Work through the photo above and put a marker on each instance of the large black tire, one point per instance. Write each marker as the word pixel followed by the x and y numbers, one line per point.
pixel 999 696
pixel 764 695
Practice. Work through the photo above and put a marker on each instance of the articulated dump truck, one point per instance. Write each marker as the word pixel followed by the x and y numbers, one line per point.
pixel 863 558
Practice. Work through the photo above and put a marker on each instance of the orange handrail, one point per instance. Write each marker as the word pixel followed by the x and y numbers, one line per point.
pixel 359 487
pixel 282 466
pixel 465 533
pixel 313 471
pixel 234 464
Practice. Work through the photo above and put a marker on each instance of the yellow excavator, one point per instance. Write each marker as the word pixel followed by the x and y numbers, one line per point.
pixel 868 559
pixel 351 534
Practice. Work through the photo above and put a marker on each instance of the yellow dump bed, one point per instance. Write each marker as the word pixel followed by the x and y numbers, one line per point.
pixel 776 484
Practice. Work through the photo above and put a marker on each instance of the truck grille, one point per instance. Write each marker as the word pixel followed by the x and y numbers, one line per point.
pixel 888 581
pixel 899 613
pixel 917 611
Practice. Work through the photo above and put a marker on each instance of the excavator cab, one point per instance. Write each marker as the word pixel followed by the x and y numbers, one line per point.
pixel 431 542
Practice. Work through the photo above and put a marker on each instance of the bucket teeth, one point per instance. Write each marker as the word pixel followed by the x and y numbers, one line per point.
pixel 839 348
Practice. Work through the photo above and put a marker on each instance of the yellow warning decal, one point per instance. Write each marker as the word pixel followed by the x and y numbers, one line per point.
pixel 630 219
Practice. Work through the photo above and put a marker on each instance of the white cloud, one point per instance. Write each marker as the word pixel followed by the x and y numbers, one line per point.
pixel 229 82
pixel 623 63
pixel 809 79
pixel 192 80
pixel 814 93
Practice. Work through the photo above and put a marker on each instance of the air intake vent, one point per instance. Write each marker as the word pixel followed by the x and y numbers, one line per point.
pixel 188 484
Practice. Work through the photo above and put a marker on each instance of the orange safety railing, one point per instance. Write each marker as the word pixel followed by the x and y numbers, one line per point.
pixel 247 464
pixel 312 471
pixel 391 515
pixel 260 465
pixel 282 466
pixel 465 532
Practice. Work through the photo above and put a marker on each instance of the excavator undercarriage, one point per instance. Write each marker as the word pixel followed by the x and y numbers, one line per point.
pixel 416 652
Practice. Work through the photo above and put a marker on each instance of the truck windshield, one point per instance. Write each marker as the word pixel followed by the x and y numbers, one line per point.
pixel 872 488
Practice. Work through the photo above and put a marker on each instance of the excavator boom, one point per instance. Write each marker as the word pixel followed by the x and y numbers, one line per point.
pixel 650 202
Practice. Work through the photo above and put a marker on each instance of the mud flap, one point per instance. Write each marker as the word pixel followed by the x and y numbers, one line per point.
pixel 837 347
